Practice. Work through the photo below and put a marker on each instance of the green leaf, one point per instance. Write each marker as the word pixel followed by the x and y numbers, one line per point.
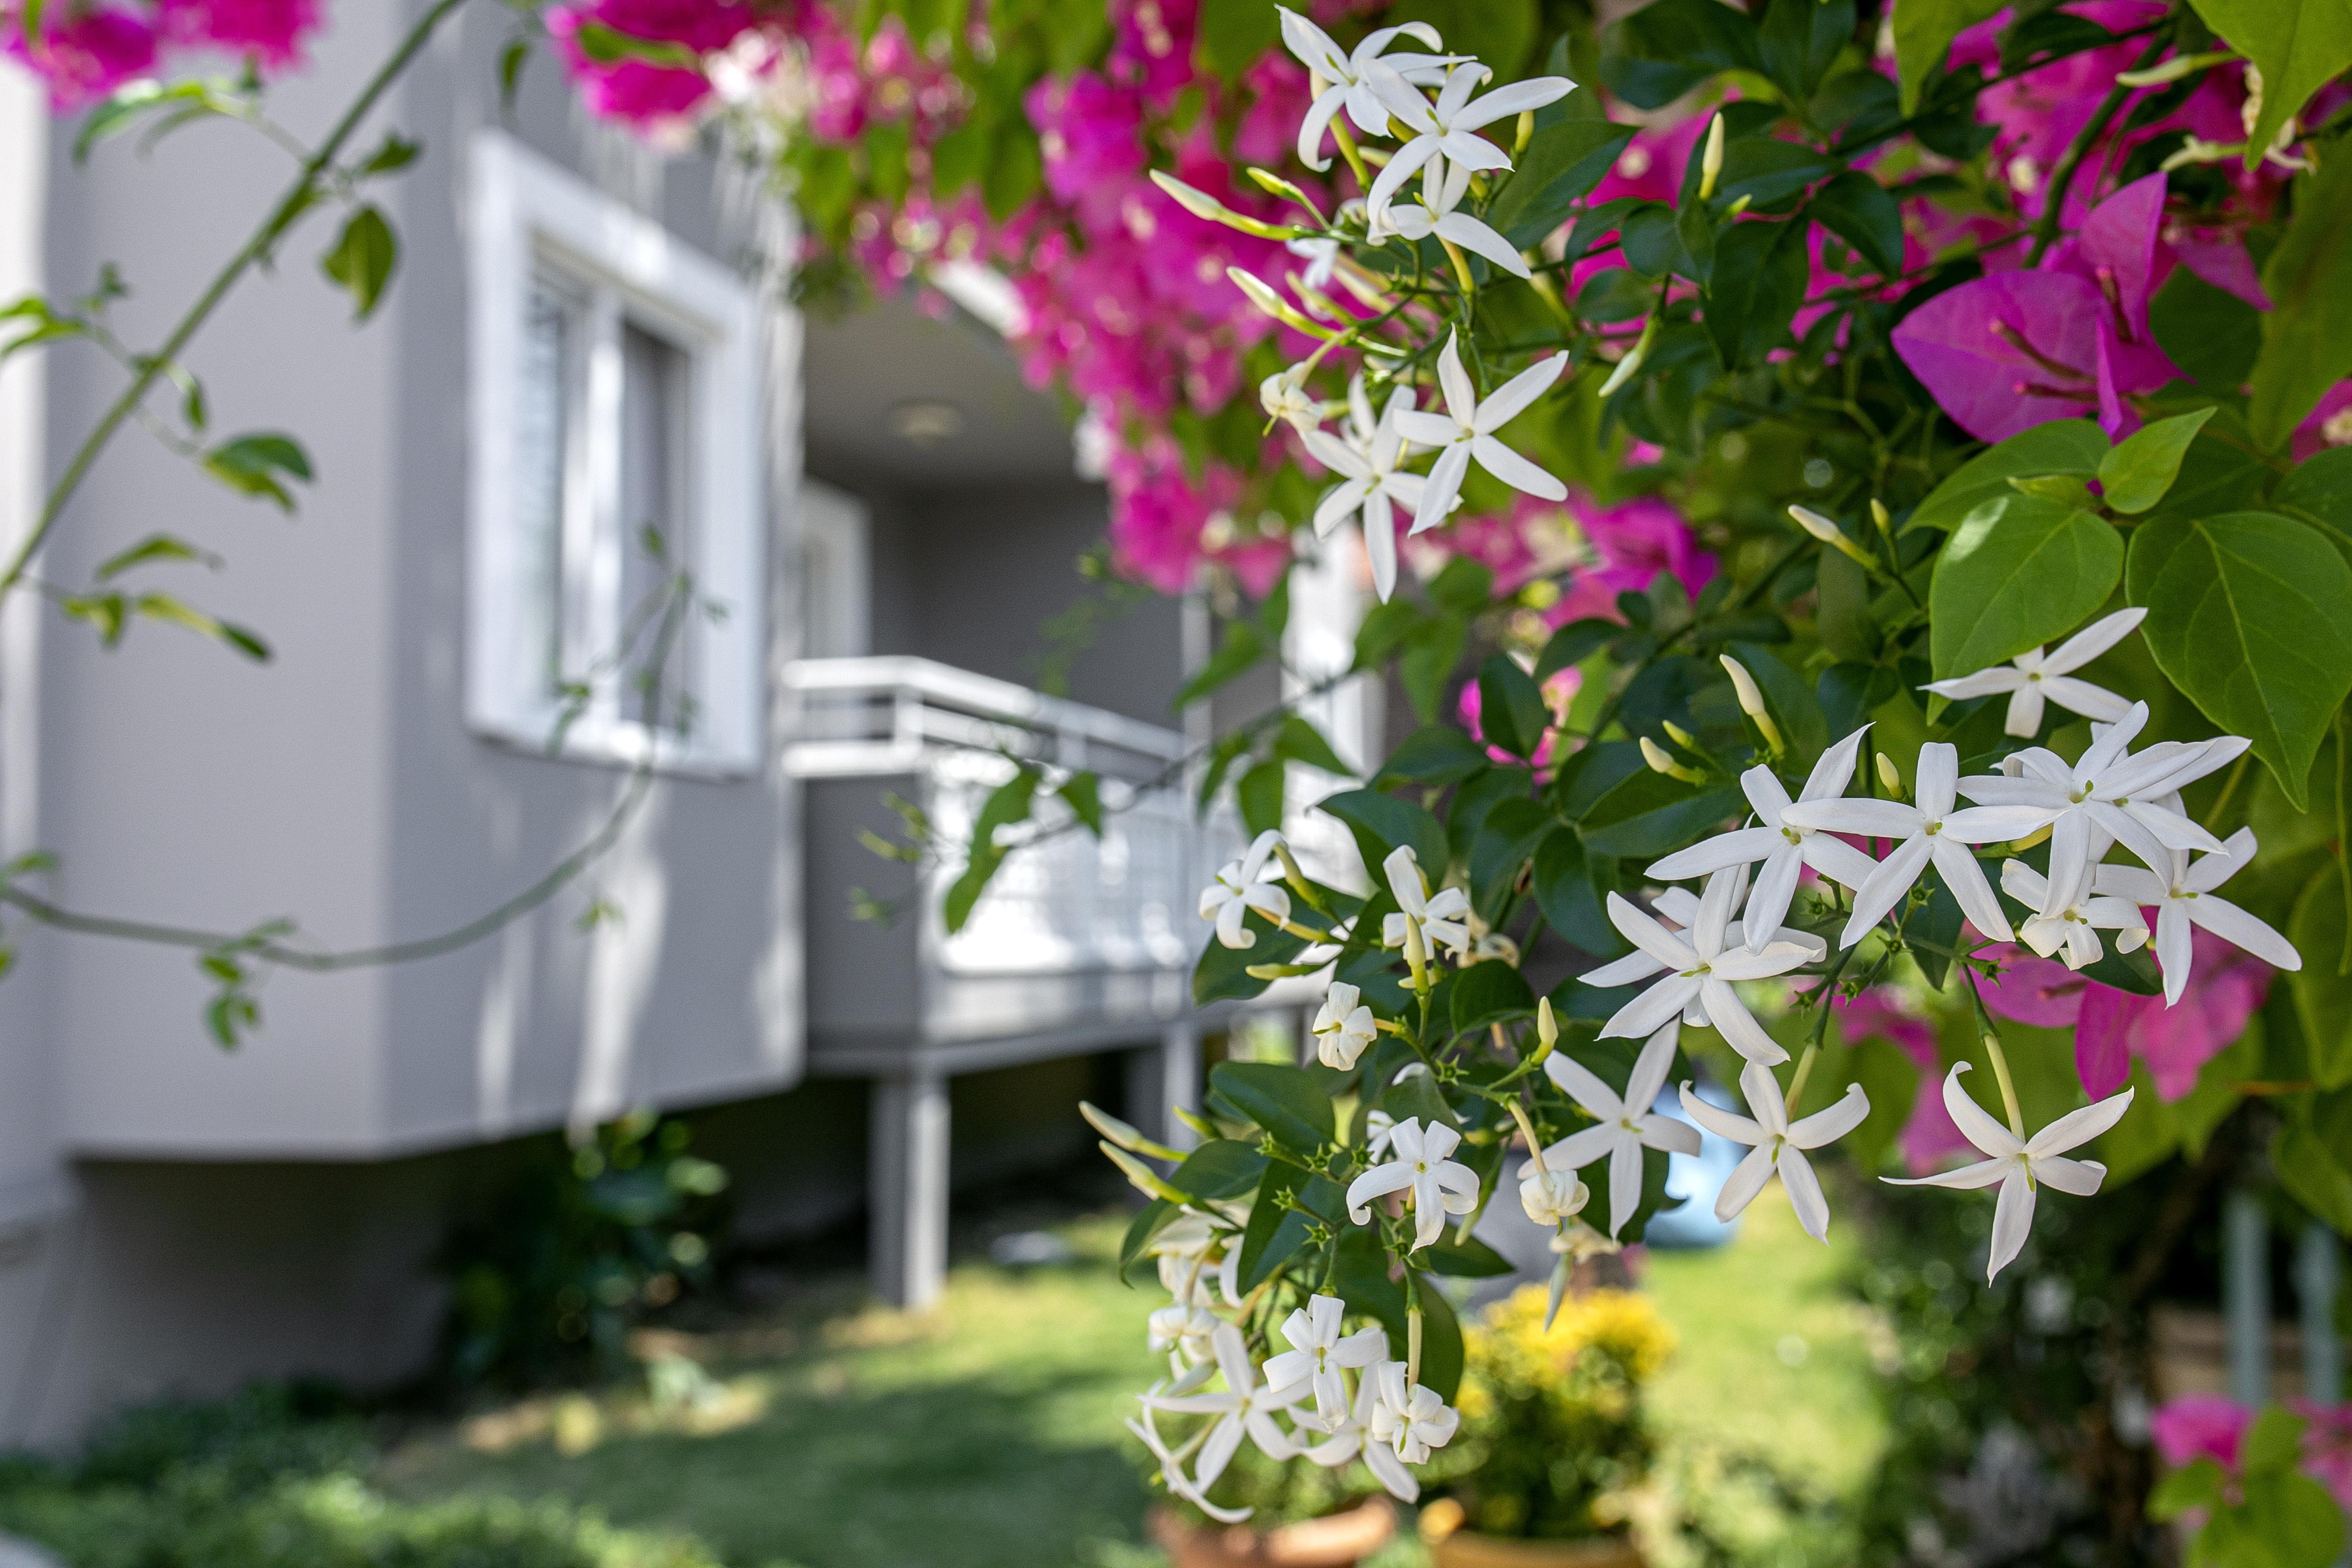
pixel 2298 44
pixel 362 260
pixel 1757 282
pixel 1574 643
pixel 2313 1174
pixel 2196 1485
pixel 2319 491
pixel 1500 32
pixel 1240 648
pixel 1220 1168
pixel 1924 30
pixel 1800 40
pixel 1441 1344
pixel 1082 793
pixel 1490 992
pixel 1007 804
pixel 1662 51
pixel 2135 475
pixel 1511 709
pixel 1154 1218
pixel 2249 613
pixel 1464 586
pixel 2307 338
pixel 166 608
pixel 1382 823
pixel 1222 974
pixel 1561 164
pixel 2322 998
pixel 1232 33
pixel 253 464
pixel 1842 607
pixel 1014 173
pixel 154 547
pixel 1569 889
pixel 609 45
pixel 1768 172
pixel 1300 742
pixel 2209 332
pixel 1794 704
pixel 1500 848
pixel 393 153
pixel 2019 572
pixel 1650 814
pixel 1434 754
pixel 1275 1231
pixel 1859 211
pixel 1259 795
pixel 2060 447
pixel 1283 1100
pixel 1469 1258
pixel 1384 628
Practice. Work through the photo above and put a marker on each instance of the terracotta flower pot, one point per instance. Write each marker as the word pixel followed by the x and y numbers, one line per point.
pixel 1450 1546
pixel 1335 1541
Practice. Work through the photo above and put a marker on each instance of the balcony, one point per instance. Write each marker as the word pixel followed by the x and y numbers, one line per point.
pixel 1080 946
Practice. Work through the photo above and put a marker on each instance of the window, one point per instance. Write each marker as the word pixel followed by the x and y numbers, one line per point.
pixel 835 573
pixel 617 413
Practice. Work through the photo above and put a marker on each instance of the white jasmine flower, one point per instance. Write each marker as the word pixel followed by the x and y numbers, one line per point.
pixel 2031 679
pixel 1243 1408
pixel 1408 1417
pixel 1380 1127
pixel 1199 1265
pixel 1443 185
pixel 1700 971
pixel 1777 1144
pixel 1172 1467
pixel 1784 850
pixel 1928 830
pixel 1344 74
pixel 1466 430
pixel 2021 1166
pixel 1676 908
pixel 1344 1026
pixel 1242 885
pixel 2108 792
pixel 1347 1443
pixel 1448 128
pixel 2183 896
pixel 2073 919
pixel 1366 462
pixel 1319 1350
pixel 1321 255
pixel 1184 1332
pixel 1625 1125
pixel 1284 396
pixel 1444 918
pixel 1551 1197
pixel 1435 1184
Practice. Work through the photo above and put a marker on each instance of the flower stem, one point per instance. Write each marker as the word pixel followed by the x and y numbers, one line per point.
pixel 2008 1088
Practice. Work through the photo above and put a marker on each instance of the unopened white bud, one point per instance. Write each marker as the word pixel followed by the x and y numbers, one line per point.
pixel 1887 776
pixel 1751 702
pixel 1710 165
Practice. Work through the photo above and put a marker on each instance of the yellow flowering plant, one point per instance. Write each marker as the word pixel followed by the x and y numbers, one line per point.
pixel 1554 1435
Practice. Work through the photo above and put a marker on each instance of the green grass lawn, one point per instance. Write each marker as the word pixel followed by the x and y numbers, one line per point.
pixel 986 1434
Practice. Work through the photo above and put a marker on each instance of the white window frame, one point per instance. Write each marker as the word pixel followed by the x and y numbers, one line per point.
pixel 529 217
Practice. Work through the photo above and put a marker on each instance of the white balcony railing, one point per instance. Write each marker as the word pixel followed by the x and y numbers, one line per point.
pixel 1071 902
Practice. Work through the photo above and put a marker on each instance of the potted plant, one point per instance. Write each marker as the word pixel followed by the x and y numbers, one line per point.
pixel 1554 1439
pixel 1299 1516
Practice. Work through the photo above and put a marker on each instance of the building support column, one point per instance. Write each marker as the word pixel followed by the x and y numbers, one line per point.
pixel 910 1155
pixel 2246 1296
pixel 1162 1078
pixel 2319 1277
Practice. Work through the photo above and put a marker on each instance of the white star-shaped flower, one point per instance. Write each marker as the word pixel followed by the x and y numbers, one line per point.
pixel 1185 1333
pixel 2021 1166
pixel 1347 1442
pixel 1366 460
pixel 1551 1197
pixel 1408 1417
pixel 1343 72
pixel 1624 1124
pixel 1379 1128
pixel 1466 430
pixel 1243 1408
pixel 1784 850
pixel 1242 885
pixel 1436 1185
pixel 2108 794
pixel 1929 830
pixel 1700 965
pixel 2030 678
pixel 2071 919
pixel 1443 918
pixel 1443 185
pixel 1284 396
pixel 1321 253
pixel 1676 908
pixel 1449 127
pixel 2183 896
pixel 1777 1144
pixel 1319 1351
pixel 1343 1027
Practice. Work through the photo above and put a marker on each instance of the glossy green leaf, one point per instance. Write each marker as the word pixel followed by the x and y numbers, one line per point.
pixel 1859 211
pixel 1299 741
pixel 1500 848
pixel 1800 39
pixel 1275 1231
pixel 1757 282
pixel 1924 31
pixel 1382 823
pixel 1082 793
pixel 1220 1168
pixel 2298 44
pixel 1794 704
pixel 1650 814
pixel 258 465
pixel 1434 754
pixel 1284 1101
pixel 1561 164
pixel 2316 1173
pixel 2319 491
pixel 2018 573
pixel 1232 33
pixel 2307 337
pixel 154 547
pixel 2322 998
pixel 1490 992
pixel 1510 705
pixel 1501 33
pixel 1007 804
pixel 1662 51
pixel 2060 447
pixel 2135 475
pixel 362 260
pixel 1574 643
pixel 1571 885
pixel 1150 1221
pixel 1258 793
pixel 2249 613
pixel 1842 607
pixel 1470 1258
